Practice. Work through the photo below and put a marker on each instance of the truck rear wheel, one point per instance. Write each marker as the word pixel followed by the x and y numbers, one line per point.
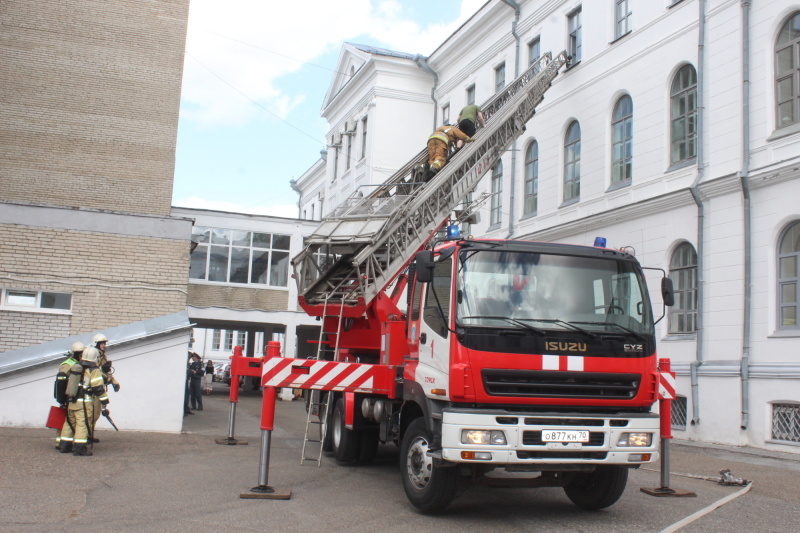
pixel 599 489
pixel 428 487
pixel 345 441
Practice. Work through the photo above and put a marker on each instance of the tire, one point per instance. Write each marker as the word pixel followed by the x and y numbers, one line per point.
pixel 345 441
pixel 429 488
pixel 327 442
pixel 368 440
pixel 599 489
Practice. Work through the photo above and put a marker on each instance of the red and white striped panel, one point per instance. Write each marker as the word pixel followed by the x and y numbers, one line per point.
pixel 324 375
pixel 666 385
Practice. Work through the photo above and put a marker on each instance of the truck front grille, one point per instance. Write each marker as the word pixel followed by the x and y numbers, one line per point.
pixel 597 456
pixel 555 384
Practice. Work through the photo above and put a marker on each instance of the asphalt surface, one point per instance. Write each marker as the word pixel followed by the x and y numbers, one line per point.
pixel 174 483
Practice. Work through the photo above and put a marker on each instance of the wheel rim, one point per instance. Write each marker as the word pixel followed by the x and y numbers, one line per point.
pixel 418 465
pixel 337 430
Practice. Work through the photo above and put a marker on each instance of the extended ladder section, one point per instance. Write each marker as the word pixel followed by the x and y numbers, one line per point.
pixel 361 247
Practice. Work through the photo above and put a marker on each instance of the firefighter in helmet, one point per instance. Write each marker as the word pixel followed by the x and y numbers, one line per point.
pixel 74 355
pixel 85 384
pixel 439 146
pixel 99 341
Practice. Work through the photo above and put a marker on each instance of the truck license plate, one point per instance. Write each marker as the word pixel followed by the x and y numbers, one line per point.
pixel 553 435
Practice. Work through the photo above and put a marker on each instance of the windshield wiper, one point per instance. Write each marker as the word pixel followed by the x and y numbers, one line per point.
pixel 629 330
pixel 508 319
pixel 563 323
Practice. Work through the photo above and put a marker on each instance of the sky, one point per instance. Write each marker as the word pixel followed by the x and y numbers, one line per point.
pixel 255 75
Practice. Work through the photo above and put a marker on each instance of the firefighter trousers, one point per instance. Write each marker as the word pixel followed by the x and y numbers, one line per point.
pixel 80 414
pixel 437 153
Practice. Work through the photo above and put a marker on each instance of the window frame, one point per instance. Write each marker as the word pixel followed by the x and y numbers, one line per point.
pixel 496 215
pixel 446 113
pixel 534 44
pixel 683 292
pixel 36 305
pixel 572 164
pixel 273 255
pixel 625 161
pixel 575 35
pixel 622 23
pixel 499 77
pixel 792 74
pixel 792 229
pixel 530 187
pixel 683 96
pixel 363 138
pixel 470 94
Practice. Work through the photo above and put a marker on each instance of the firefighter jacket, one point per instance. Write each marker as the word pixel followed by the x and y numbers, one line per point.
pixel 448 134
pixel 86 383
pixel 102 362
pixel 61 380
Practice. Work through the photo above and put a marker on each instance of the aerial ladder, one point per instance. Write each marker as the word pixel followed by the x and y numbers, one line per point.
pixel 361 248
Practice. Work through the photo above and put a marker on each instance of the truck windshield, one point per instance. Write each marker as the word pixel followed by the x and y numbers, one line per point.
pixel 552 292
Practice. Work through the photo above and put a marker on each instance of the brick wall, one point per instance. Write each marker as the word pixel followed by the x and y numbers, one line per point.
pixel 114 279
pixel 23 329
pixel 89 102
pixel 201 295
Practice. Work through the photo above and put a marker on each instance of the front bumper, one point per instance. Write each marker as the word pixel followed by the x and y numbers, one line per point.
pixel 523 432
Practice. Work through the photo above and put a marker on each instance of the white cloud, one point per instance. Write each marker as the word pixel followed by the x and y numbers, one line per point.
pixel 236 49
pixel 195 202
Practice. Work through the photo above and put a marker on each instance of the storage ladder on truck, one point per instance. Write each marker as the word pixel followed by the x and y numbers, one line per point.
pixel 431 383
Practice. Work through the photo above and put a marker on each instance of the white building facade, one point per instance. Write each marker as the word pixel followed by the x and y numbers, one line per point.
pixel 674 131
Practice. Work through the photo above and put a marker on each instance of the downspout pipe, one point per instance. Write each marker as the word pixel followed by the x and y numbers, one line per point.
pixel 511 189
pixel 698 362
pixel 746 214
pixel 422 63
pixel 295 188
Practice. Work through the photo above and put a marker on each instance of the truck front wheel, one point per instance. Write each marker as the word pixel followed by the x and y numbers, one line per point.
pixel 599 489
pixel 428 487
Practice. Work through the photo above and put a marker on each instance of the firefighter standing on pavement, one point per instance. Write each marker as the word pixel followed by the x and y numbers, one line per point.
pixel 439 145
pixel 99 341
pixel 85 384
pixel 60 393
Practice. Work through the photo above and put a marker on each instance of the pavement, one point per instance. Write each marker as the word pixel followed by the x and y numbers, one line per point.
pixel 166 482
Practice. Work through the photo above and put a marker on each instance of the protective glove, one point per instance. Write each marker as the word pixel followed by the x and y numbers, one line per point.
pixel 105 412
pixel 116 387
pixel 469 140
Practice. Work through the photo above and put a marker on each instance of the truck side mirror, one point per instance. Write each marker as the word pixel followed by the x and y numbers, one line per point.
pixel 667 292
pixel 424 266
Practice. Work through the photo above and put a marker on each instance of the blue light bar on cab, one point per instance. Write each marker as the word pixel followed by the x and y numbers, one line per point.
pixel 453 232
pixel 599 242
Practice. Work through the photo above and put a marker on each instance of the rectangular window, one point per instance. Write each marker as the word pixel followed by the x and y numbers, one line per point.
pixel 446 114
pixel 363 138
pixel 679 413
pixel 471 94
pixel 786 422
pixel 499 78
pixel 575 46
pixel 534 51
pixel 335 163
pixel 228 340
pixel 238 256
pixel 35 300
pixel 349 152
pixel 215 339
pixel 622 16
pixel 497 194
pixel 241 338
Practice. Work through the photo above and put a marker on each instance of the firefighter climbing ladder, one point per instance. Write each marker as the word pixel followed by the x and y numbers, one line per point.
pixel 362 246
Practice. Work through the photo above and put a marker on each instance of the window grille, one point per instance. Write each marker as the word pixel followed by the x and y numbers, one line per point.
pixel 786 422
pixel 679 412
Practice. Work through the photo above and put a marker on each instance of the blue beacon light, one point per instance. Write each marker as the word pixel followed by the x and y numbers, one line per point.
pixel 600 242
pixel 453 232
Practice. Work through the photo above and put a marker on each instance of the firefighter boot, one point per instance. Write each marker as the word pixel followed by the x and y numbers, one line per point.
pixel 65 447
pixel 81 449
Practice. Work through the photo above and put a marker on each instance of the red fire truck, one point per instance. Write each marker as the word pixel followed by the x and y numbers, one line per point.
pixel 512 363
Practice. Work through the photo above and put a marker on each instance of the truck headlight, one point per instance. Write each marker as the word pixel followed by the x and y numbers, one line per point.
pixel 481 436
pixel 635 439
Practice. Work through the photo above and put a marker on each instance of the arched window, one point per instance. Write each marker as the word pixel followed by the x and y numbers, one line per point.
pixel 572 162
pixel 787 73
pixel 622 147
pixel 531 201
pixel 497 193
pixel 788 278
pixel 684 115
pixel 683 272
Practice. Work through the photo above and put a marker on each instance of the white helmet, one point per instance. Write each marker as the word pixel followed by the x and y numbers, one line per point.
pixel 97 339
pixel 90 354
pixel 76 347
